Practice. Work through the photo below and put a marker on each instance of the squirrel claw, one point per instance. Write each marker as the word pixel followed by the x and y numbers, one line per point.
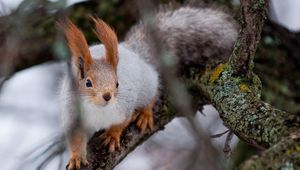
pixel 76 162
pixel 145 120
pixel 134 116
pixel 112 141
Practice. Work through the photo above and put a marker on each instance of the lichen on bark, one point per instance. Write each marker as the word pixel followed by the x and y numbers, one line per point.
pixel 283 155
pixel 243 112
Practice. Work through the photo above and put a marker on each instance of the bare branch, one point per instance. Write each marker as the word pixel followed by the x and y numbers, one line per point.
pixel 253 14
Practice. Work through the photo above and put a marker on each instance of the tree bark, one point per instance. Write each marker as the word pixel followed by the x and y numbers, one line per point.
pixel 253 16
pixel 283 155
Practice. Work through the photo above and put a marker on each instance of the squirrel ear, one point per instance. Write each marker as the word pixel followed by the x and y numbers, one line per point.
pixel 109 39
pixel 79 48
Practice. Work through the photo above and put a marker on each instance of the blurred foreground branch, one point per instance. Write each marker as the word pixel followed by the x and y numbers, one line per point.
pixel 28 35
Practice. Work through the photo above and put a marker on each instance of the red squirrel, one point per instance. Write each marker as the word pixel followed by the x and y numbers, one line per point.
pixel 112 82
pixel 115 79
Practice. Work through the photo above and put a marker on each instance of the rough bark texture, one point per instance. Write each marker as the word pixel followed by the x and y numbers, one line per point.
pixel 236 95
pixel 237 100
pixel 253 16
pixel 283 155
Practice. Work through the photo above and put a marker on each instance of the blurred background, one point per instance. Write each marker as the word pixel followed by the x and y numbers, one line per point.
pixel 29 103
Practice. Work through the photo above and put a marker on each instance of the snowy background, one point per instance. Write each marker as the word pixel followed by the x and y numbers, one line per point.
pixel 29 112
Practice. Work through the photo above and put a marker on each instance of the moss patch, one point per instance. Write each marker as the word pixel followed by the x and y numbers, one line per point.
pixel 244 88
pixel 216 73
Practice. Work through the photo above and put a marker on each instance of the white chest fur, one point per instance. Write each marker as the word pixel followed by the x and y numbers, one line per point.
pixel 99 117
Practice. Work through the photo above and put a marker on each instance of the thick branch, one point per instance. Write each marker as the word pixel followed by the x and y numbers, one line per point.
pixel 283 155
pixel 235 91
pixel 237 100
pixel 252 21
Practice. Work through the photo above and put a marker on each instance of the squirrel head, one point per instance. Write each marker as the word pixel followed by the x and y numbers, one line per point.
pixel 97 78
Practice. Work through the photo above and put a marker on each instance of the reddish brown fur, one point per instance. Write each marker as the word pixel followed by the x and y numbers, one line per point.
pixel 77 147
pixel 111 138
pixel 109 39
pixel 78 45
pixel 145 116
pixel 100 86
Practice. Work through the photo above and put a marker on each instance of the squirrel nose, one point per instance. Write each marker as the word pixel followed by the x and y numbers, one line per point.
pixel 106 96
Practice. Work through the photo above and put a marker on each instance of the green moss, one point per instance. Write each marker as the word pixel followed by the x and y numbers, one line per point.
pixel 242 111
pixel 298 148
pixel 244 88
pixel 166 111
pixel 216 73
pixel 259 5
pixel 257 85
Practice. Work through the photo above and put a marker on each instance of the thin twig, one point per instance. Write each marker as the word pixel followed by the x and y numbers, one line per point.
pixel 227 148
pixel 219 134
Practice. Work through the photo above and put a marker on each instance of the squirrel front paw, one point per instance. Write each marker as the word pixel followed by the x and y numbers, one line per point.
pixel 144 118
pixel 112 141
pixel 111 138
pixel 75 163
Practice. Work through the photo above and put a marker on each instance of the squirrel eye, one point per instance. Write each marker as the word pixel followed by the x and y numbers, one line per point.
pixel 117 84
pixel 88 83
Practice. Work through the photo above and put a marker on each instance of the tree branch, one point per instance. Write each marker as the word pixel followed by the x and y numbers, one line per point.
pixel 252 21
pixel 234 90
pixel 283 155
pixel 237 100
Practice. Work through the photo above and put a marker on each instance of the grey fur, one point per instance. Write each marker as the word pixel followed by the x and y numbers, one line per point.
pixel 195 35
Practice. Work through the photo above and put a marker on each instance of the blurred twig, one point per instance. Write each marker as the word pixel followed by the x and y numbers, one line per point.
pixel 46 151
pixel 176 90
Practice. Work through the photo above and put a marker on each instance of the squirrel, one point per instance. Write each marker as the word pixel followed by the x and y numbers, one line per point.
pixel 119 82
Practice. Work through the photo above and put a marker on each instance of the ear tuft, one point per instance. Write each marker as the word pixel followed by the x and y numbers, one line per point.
pixel 78 47
pixel 109 39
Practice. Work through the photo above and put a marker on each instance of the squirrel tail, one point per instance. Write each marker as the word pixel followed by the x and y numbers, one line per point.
pixel 195 35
